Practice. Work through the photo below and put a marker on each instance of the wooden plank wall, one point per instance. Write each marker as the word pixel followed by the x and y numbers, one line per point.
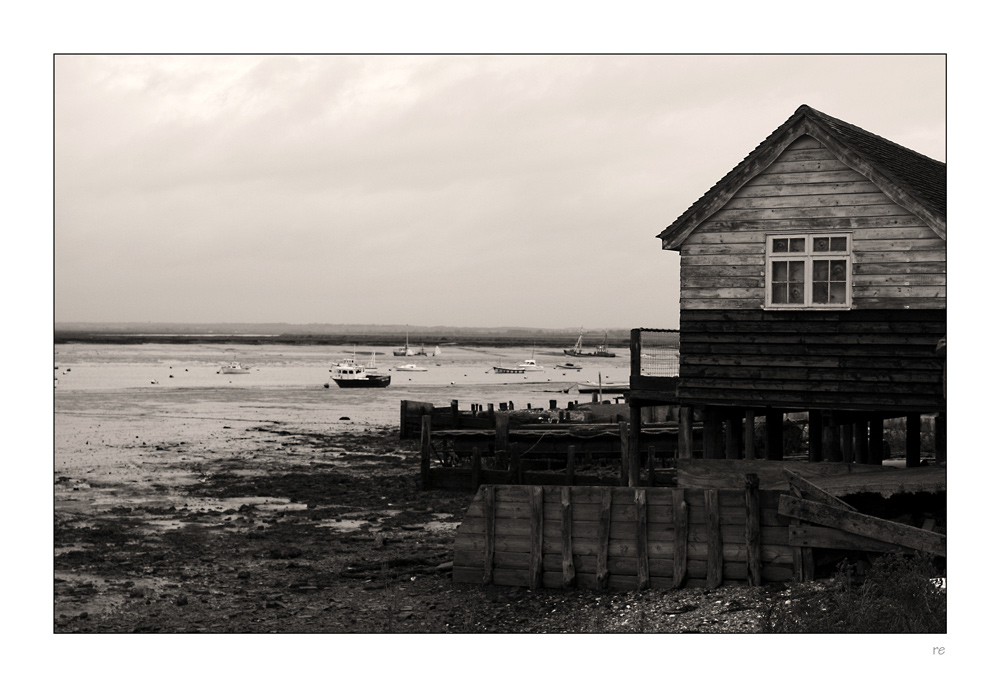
pixel 899 262
pixel 859 360
pixel 620 538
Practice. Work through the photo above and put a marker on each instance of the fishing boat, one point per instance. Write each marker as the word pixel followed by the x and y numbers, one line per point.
pixel 411 367
pixel 349 374
pixel 234 368
pixel 569 366
pixel 530 365
pixel 601 351
pixel 504 370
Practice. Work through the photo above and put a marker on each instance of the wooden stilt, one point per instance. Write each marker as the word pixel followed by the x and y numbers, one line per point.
pixel 712 433
pixel 876 445
pixel 489 510
pixel 749 445
pixel 774 434
pixel 734 433
pixel 912 440
pixel 535 496
pixel 603 536
pixel 815 436
pixel 714 572
pixel 940 439
pixel 685 433
pixel 861 442
pixel 425 452
pixel 634 434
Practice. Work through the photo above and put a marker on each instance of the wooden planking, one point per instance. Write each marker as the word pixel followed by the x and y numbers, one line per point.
pixel 829 538
pixel 530 548
pixel 867 359
pixel 753 544
pixel 864 525
pixel 680 562
pixel 566 513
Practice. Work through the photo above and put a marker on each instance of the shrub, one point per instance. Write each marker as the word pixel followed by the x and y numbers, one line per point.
pixel 897 595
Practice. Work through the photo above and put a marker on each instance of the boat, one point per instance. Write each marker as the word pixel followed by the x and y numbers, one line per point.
pixel 503 370
pixel 600 352
pixel 530 365
pixel 405 350
pixel 234 368
pixel 569 366
pixel 411 367
pixel 437 351
pixel 349 374
pixel 602 387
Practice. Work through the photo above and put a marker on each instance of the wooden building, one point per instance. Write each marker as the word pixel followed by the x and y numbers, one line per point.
pixel 812 281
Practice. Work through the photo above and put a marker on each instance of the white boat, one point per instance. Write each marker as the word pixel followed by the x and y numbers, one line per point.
pixel 437 351
pixel 349 373
pixel 411 367
pixel 234 368
pixel 530 365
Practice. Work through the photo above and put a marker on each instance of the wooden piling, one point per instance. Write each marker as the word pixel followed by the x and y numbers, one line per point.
pixel 685 433
pixel 753 529
pixel 912 440
pixel 734 432
pixel 456 418
pixel 712 433
pixel 634 435
pixel 774 433
pixel 876 443
pixel 651 465
pixel 749 445
pixel 861 442
pixel 815 436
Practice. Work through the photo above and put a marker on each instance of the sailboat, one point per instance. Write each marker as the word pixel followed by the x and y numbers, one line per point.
pixel 405 350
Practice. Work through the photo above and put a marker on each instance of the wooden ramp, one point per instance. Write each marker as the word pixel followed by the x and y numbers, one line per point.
pixel 622 537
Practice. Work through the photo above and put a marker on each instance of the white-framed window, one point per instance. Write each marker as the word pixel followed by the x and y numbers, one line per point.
pixel 808 271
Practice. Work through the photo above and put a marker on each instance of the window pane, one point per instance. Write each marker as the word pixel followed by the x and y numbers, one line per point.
pixel 838 270
pixel 797 245
pixel 820 292
pixel 780 271
pixel 796 293
pixel 780 245
pixel 797 271
pixel 838 292
pixel 821 270
pixel 838 243
pixel 778 293
pixel 821 244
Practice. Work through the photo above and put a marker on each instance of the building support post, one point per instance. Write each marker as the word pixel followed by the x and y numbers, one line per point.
pixel 749 446
pixel 912 440
pixel 712 432
pixel 685 433
pixel 734 433
pixel 876 444
pixel 815 436
pixel 774 434
pixel 635 432
pixel 940 439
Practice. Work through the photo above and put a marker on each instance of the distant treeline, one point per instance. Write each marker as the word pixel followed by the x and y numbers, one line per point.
pixel 257 335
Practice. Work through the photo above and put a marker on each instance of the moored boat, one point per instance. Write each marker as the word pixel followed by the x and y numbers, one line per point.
pixel 410 367
pixel 349 374
pixel 601 351
pixel 234 368
pixel 569 366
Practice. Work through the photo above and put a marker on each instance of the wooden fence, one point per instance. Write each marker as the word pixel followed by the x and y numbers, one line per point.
pixel 622 537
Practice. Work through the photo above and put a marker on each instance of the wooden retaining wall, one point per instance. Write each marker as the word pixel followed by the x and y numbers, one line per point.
pixel 622 538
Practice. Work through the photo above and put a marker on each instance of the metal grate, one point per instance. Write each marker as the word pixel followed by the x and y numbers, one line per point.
pixel 659 356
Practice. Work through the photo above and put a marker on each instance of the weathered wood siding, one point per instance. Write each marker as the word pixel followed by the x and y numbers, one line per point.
pixel 620 538
pixel 856 360
pixel 898 261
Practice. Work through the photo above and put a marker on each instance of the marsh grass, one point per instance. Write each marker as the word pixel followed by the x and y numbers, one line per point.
pixel 899 594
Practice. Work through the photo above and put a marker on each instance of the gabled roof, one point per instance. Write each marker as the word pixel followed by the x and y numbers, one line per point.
pixel 913 181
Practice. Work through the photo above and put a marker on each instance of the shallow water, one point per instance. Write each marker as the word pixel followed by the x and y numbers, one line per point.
pixel 287 382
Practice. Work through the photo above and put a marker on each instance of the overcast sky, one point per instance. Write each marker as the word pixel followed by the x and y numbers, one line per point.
pixel 421 190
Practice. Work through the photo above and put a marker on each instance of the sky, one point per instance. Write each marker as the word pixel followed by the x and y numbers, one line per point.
pixel 457 190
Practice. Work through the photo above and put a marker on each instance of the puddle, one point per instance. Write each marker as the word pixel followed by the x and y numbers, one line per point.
pixel 349 522
pixel 343 525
